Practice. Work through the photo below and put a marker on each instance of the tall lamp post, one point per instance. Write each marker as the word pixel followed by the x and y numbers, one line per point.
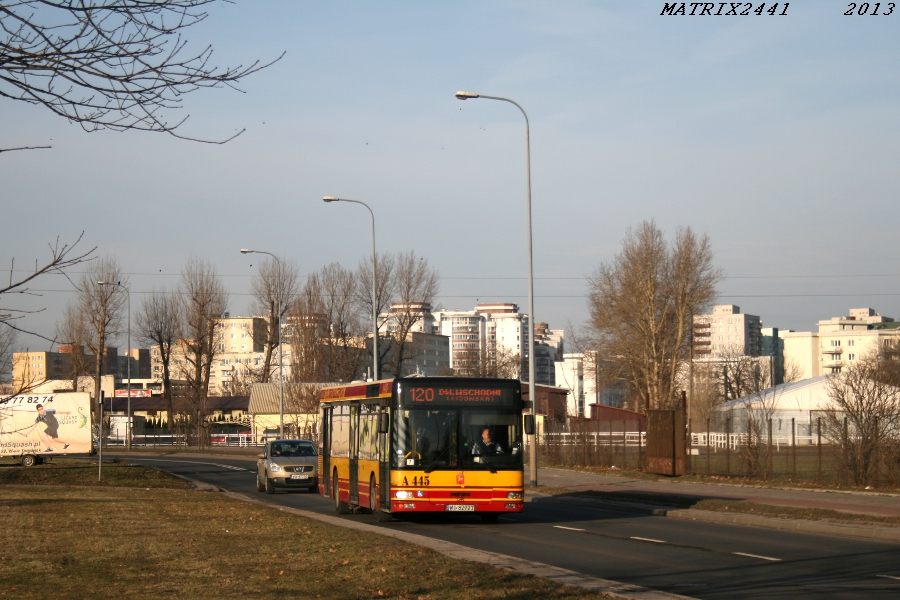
pixel 280 348
pixel 128 364
pixel 532 453
pixel 374 281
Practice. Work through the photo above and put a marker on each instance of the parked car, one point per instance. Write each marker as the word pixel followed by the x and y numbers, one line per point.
pixel 287 464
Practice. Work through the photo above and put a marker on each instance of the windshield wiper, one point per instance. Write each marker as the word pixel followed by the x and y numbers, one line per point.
pixel 435 461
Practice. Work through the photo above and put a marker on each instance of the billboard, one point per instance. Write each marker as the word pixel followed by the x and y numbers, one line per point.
pixel 45 424
pixel 136 393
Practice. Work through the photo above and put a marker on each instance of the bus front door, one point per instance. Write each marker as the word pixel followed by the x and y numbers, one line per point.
pixel 354 454
pixel 325 452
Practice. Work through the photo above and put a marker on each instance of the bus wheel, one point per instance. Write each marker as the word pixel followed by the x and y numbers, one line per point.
pixel 29 461
pixel 490 517
pixel 342 508
pixel 375 504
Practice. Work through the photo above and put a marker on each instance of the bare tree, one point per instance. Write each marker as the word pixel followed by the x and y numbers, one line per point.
pixel 7 348
pixel 159 324
pixel 326 330
pixel 108 64
pixel 61 258
pixel 74 332
pixel 641 305
pixel 494 362
pixel 863 412
pixel 384 292
pixel 203 300
pixel 414 286
pixel 102 307
pixel 274 291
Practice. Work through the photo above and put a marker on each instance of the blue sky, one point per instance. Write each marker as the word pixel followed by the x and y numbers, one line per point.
pixel 776 136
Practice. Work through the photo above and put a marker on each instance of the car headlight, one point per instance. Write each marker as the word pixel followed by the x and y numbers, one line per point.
pixel 275 467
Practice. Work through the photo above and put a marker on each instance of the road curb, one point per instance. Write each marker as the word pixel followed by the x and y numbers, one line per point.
pixel 613 589
pixel 886 534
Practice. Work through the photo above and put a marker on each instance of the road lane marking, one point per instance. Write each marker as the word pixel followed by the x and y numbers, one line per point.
pixel 196 462
pixel 648 540
pixel 569 528
pixel 757 556
pixel 889 577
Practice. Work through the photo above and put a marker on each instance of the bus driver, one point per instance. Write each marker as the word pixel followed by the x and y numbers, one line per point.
pixel 487 445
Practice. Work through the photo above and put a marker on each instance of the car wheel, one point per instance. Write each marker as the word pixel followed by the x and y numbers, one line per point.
pixel 342 508
pixel 29 460
pixel 270 487
pixel 260 486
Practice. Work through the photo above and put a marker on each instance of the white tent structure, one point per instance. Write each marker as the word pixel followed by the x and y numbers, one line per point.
pixel 800 401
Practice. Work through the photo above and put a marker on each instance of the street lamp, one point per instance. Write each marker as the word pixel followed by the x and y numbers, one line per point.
pixel 128 364
pixel 280 348
pixel 532 454
pixel 374 280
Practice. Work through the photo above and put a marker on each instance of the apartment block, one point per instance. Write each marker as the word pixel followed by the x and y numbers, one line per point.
pixel 727 331
pixel 840 341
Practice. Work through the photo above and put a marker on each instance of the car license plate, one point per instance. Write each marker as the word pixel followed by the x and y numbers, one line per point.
pixel 298 476
pixel 460 508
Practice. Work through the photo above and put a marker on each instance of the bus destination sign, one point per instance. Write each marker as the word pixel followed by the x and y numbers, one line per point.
pixel 412 395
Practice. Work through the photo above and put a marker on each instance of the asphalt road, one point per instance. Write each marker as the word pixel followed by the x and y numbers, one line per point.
pixel 702 560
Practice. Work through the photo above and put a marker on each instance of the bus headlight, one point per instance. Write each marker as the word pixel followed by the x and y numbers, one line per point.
pixel 402 495
pixel 514 496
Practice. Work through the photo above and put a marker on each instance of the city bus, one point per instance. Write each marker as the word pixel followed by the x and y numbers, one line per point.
pixel 424 444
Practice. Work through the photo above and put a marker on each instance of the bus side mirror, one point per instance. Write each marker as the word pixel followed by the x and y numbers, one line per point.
pixel 383 423
pixel 529 424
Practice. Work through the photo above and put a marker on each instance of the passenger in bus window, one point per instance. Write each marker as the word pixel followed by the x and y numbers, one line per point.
pixel 487 444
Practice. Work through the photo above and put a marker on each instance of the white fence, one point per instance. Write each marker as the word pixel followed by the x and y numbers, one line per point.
pixel 736 440
pixel 595 438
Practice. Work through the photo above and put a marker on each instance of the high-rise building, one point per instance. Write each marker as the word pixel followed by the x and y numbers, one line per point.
pixel 727 332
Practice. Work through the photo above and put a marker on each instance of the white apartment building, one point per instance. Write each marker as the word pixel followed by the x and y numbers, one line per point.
pixel 727 331
pixel 499 326
pixel 240 352
pixel 840 341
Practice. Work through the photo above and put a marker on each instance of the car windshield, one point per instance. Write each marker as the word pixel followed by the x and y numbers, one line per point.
pixel 446 439
pixel 292 449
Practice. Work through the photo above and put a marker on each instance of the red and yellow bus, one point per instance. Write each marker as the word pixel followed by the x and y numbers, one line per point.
pixel 424 444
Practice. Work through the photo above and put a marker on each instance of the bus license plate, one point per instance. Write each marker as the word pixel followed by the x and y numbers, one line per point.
pixel 460 508
pixel 297 476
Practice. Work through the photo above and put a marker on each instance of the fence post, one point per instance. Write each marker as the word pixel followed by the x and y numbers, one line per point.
pixel 769 470
pixel 640 445
pixel 844 441
pixel 707 447
pixel 877 453
pixel 793 450
pixel 624 444
pixel 728 447
pixel 819 447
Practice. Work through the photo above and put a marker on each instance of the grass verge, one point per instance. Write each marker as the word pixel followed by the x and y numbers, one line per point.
pixel 73 471
pixel 89 542
pixel 732 506
pixel 778 482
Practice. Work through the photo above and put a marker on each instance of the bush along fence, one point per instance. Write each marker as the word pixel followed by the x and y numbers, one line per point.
pixel 819 448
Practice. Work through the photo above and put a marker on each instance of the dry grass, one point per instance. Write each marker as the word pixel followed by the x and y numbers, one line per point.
pixel 69 471
pixel 88 542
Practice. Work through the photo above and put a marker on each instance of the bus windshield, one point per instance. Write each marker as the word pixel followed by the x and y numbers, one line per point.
pixel 445 439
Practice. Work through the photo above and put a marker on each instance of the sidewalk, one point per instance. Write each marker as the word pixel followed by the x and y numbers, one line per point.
pixel 862 503
pixel 871 503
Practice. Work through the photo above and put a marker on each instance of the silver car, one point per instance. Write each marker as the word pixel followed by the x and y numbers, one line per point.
pixel 287 464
